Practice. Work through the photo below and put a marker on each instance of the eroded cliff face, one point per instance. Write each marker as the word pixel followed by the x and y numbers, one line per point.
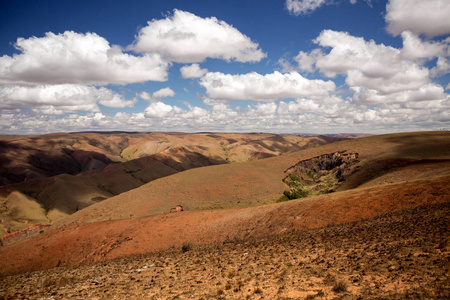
pixel 319 175
pixel 22 234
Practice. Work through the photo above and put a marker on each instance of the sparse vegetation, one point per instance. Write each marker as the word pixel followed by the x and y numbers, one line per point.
pixel 319 175
pixel 186 247
pixel 339 287
pixel 59 282
pixel 301 259
pixel 362 246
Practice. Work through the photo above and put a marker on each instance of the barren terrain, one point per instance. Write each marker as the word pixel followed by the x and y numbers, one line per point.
pixel 381 232
pixel 54 175
pixel 396 256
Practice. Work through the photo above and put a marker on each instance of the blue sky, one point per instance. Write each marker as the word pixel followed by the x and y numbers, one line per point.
pixel 287 66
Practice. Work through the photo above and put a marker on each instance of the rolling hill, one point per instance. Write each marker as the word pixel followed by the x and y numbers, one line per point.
pixel 237 201
pixel 54 175
pixel 403 177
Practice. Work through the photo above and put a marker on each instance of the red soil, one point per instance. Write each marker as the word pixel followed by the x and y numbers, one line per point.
pixel 21 234
pixel 80 243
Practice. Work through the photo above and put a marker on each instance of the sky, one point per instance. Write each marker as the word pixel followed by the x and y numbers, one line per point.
pixel 279 66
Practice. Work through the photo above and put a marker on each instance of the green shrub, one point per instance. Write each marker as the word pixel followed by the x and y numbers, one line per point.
pixel 295 193
pixel 294 177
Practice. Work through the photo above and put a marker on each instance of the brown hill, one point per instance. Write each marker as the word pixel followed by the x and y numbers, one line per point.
pixel 396 172
pixel 89 242
pixel 401 255
pixel 101 165
pixel 29 157
pixel 382 159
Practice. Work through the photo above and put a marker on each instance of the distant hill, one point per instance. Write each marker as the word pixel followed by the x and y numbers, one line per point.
pixel 348 135
pixel 48 177
pixel 239 201
pixel 338 135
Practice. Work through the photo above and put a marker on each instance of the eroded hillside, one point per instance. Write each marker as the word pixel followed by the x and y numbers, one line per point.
pixel 401 255
pixel 238 201
pixel 56 175
pixel 319 175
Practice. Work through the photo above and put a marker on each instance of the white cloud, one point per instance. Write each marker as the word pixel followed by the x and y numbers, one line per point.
pixel 442 67
pixel 414 47
pixel 349 52
pixel 428 17
pixel 170 116
pixel 303 7
pixel 306 61
pixel 158 95
pixel 285 65
pixel 187 38
pixel 378 73
pixel 428 92
pixel 145 96
pixel 77 58
pixel 163 93
pixel 329 114
pixel 159 110
pixel 59 99
pixel 192 71
pixel 269 87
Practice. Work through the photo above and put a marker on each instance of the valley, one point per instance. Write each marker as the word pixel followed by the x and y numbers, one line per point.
pixel 371 222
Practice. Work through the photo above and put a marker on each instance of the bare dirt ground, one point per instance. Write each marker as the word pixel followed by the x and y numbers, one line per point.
pixel 45 178
pixel 394 256
pixel 384 234
pixel 80 242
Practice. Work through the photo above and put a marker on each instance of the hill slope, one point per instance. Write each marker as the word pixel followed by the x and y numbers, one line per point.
pixel 132 222
pixel 396 256
pixel 101 165
pixel 382 159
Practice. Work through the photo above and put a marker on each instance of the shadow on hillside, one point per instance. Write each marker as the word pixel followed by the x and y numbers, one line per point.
pixel 422 146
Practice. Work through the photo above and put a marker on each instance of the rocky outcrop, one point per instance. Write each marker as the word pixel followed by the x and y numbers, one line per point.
pixel 319 175
pixel 179 208
pixel 324 162
pixel 22 234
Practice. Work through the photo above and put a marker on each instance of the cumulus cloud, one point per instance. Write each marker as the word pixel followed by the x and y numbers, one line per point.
pixel 158 95
pixel 415 48
pixel 269 87
pixel 76 58
pixel 428 92
pixel 160 110
pixel 332 114
pixel 442 67
pixel 187 38
pixel 145 96
pixel 163 93
pixel 60 99
pixel 376 72
pixel 302 7
pixel 192 71
pixel 421 17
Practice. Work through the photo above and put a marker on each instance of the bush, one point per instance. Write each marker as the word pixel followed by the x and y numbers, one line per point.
pixel 282 199
pixel 339 287
pixel 295 194
pixel 294 177
pixel 186 247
